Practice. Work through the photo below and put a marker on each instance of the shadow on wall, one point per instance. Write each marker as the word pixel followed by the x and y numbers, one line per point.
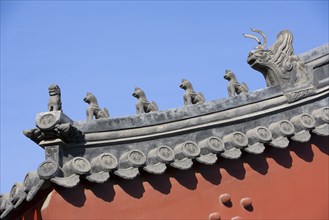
pixel 187 178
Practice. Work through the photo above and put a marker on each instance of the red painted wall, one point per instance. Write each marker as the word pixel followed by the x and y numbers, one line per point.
pixel 288 184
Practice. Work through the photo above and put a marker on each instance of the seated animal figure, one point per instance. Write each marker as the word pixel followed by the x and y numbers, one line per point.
pixel 54 103
pixel 234 87
pixel 190 96
pixel 94 109
pixel 143 105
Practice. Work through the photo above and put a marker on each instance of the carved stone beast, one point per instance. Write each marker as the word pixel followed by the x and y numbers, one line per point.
pixel 54 103
pixel 143 105
pixel 234 87
pixel 190 96
pixel 94 109
pixel 278 64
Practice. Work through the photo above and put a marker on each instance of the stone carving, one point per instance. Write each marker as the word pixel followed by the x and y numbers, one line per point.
pixel 100 166
pixel 52 125
pixel 143 105
pixel 137 158
pixel 71 172
pixel 157 159
pixel 67 182
pixel 77 165
pixel 99 177
pixel 93 109
pixel 184 153
pixel 234 87
pixel 281 130
pixel 66 132
pixel 209 148
pixel 279 65
pixel 53 152
pixel 5 205
pixel 165 154
pixel 48 169
pixel 54 103
pixel 190 96
pixel 321 117
pixel 300 94
pixel 302 124
pixel 46 121
pixel 233 143
pixel 32 183
pixel 104 162
pixel 17 194
pixel 35 135
pixel 256 139
pixel 129 163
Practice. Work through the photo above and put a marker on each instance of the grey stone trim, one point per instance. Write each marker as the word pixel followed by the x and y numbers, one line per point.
pixel 17 194
pixel 209 148
pixel 98 168
pixel 321 117
pixel 32 184
pixel 184 153
pixel 52 125
pixel 129 163
pixel 5 205
pixel 227 128
pixel 257 137
pixel 158 158
pixel 48 169
pixel 281 130
pixel 300 94
pixel 67 182
pixel 21 192
pixel 182 156
pixel 302 123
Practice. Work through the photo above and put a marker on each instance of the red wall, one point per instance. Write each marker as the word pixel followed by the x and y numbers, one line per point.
pixel 290 183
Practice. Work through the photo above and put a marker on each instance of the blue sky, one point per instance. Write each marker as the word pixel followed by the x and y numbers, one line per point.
pixel 110 47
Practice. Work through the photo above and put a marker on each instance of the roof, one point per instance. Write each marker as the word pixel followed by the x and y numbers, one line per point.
pixel 293 107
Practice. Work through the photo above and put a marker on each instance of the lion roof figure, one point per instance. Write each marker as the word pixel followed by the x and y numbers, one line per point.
pixel 143 105
pixel 54 103
pixel 278 64
pixel 234 87
pixel 190 96
pixel 94 109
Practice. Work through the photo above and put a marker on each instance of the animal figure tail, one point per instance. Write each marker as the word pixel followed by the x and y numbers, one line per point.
pixel 245 87
pixel 202 98
pixel 156 108
pixel 106 113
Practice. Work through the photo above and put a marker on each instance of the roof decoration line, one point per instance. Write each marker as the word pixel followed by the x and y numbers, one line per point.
pixel 202 132
pixel 98 169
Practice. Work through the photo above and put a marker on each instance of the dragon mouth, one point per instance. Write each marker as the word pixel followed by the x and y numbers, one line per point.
pixel 251 60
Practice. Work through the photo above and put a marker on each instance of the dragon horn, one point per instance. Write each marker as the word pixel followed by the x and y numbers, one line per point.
pixel 252 37
pixel 261 46
pixel 263 35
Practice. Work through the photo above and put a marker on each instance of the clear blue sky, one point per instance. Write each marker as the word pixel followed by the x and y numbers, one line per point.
pixel 110 47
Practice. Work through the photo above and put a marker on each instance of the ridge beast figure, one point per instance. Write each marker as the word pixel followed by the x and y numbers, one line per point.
pixel 190 96
pixel 278 64
pixel 94 109
pixel 143 105
pixel 54 103
pixel 234 87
